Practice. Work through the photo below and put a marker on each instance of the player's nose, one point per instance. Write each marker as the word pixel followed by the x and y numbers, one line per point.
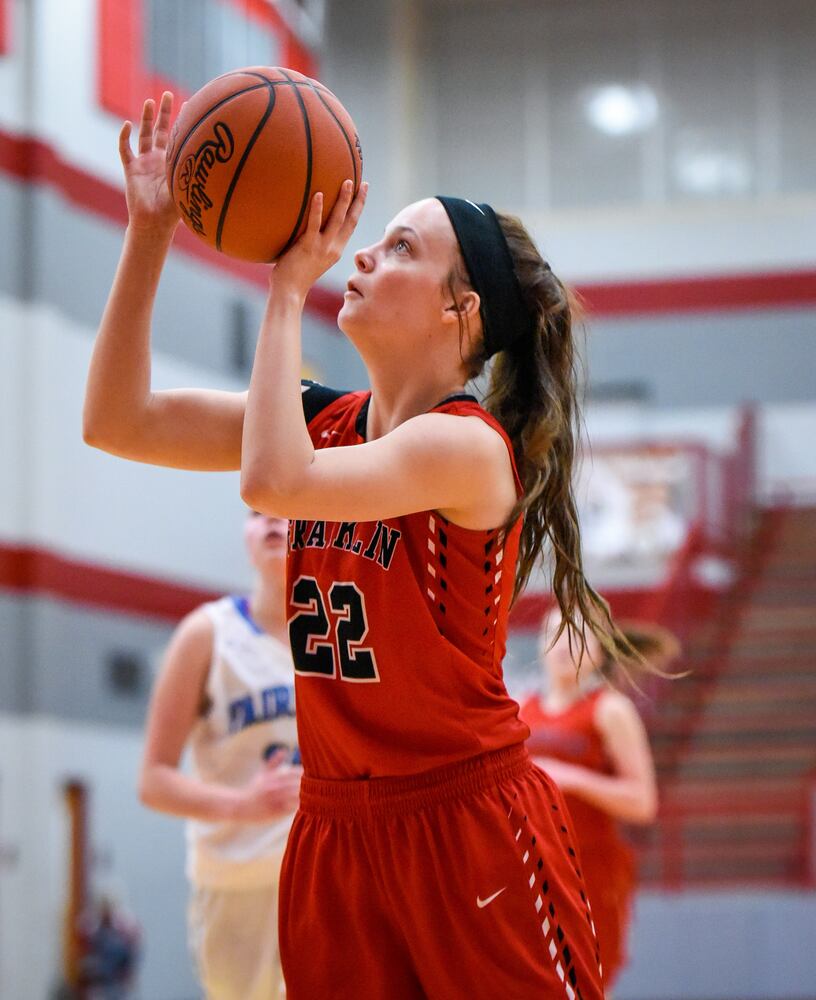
pixel 364 261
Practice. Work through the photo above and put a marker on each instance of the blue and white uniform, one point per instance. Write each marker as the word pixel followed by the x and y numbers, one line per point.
pixel 234 866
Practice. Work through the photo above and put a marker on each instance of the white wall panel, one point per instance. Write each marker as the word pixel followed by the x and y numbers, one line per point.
pixel 16 459
pixel 139 854
pixel 14 70
pixel 787 455
pixel 672 241
pixel 66 110
pixel 616 423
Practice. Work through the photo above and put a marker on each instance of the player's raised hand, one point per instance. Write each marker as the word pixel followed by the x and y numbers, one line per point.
pixel 150 205
pixel 321 245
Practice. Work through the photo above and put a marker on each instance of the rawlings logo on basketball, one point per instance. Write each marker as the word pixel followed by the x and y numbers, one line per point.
pixel 195 172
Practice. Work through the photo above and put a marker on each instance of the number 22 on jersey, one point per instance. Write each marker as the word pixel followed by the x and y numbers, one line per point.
pixel 327 630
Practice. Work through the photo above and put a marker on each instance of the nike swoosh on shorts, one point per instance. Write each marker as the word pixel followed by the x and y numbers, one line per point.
pixel 482 903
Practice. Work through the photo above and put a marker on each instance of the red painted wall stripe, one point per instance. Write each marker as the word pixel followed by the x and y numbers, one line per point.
pixel 701 294
pixel 35 162
pixel 650 297
pixel 5 27
pixel 119 47
pixel 38 571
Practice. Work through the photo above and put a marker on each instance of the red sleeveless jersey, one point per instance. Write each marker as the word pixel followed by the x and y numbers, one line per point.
pixel 397 627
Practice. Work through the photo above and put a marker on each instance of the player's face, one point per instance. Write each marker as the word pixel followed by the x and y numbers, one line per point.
pixel 559 659
pixel 398 286
pixel 265 539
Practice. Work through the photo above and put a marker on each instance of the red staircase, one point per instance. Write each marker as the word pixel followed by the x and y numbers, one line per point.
pixel 735 742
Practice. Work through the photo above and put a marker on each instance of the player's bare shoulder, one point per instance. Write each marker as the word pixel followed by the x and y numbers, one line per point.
pixel 615 712
pixel 479 455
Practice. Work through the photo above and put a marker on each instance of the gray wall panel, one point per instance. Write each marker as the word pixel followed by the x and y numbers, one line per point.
pixel 55 660
pixel 16 681
pixel 15 252
pixel 710 359
pixel 717 945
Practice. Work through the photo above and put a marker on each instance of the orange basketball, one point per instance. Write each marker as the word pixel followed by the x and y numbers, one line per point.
pixel 250 149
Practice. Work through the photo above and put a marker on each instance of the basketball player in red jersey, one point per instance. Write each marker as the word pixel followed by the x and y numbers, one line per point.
pixel 590 739
pixel 429 856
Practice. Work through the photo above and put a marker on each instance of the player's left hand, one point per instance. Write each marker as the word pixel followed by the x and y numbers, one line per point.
pixel 320 246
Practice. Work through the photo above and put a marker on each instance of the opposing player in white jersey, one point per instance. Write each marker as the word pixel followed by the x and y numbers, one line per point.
pixel 226 690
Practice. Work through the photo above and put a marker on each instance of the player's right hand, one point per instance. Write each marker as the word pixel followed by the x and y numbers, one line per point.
pixel 272 793
pixel 321 244
pixel 150 204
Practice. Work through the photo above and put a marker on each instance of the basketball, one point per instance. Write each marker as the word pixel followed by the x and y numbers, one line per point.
pixel 248 152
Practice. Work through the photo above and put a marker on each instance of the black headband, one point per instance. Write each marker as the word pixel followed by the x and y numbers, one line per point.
pixel 505 317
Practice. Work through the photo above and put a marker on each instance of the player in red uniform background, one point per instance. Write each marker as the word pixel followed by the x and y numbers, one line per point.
pixel 429 856
pixel 590 739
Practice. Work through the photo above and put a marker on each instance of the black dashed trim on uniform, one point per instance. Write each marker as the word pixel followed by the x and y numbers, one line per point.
pixel 557 949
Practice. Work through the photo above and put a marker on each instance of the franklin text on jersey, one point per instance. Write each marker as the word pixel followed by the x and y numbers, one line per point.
pixel 372 540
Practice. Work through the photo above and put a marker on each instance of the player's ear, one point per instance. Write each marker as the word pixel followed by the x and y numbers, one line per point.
pixel 464 307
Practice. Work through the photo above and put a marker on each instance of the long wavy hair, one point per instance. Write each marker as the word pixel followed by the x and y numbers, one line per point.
pixel 656 646
pixel 534 394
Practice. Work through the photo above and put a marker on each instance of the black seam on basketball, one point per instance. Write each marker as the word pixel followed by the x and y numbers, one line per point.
pixel 222 218
pixel 207 113
pixel 345 135
pixel 305 203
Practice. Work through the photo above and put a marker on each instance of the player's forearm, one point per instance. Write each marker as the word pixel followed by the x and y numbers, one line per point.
pixel 168 790
pixel 118 388
pixel 276 451
pixel 627 799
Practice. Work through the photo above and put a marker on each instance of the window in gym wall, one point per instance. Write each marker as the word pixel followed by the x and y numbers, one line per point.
pixel 583 105
pixel 146 46
pixel 192 41
pixel 479 96
pixel 126 673
pixel 709 70
pixel 601 113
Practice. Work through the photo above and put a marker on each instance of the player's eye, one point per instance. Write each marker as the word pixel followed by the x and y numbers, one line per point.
pixel 402 246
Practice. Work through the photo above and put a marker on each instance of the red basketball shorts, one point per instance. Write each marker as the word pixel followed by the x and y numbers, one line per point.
pixel 462 882
pixel 609 877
